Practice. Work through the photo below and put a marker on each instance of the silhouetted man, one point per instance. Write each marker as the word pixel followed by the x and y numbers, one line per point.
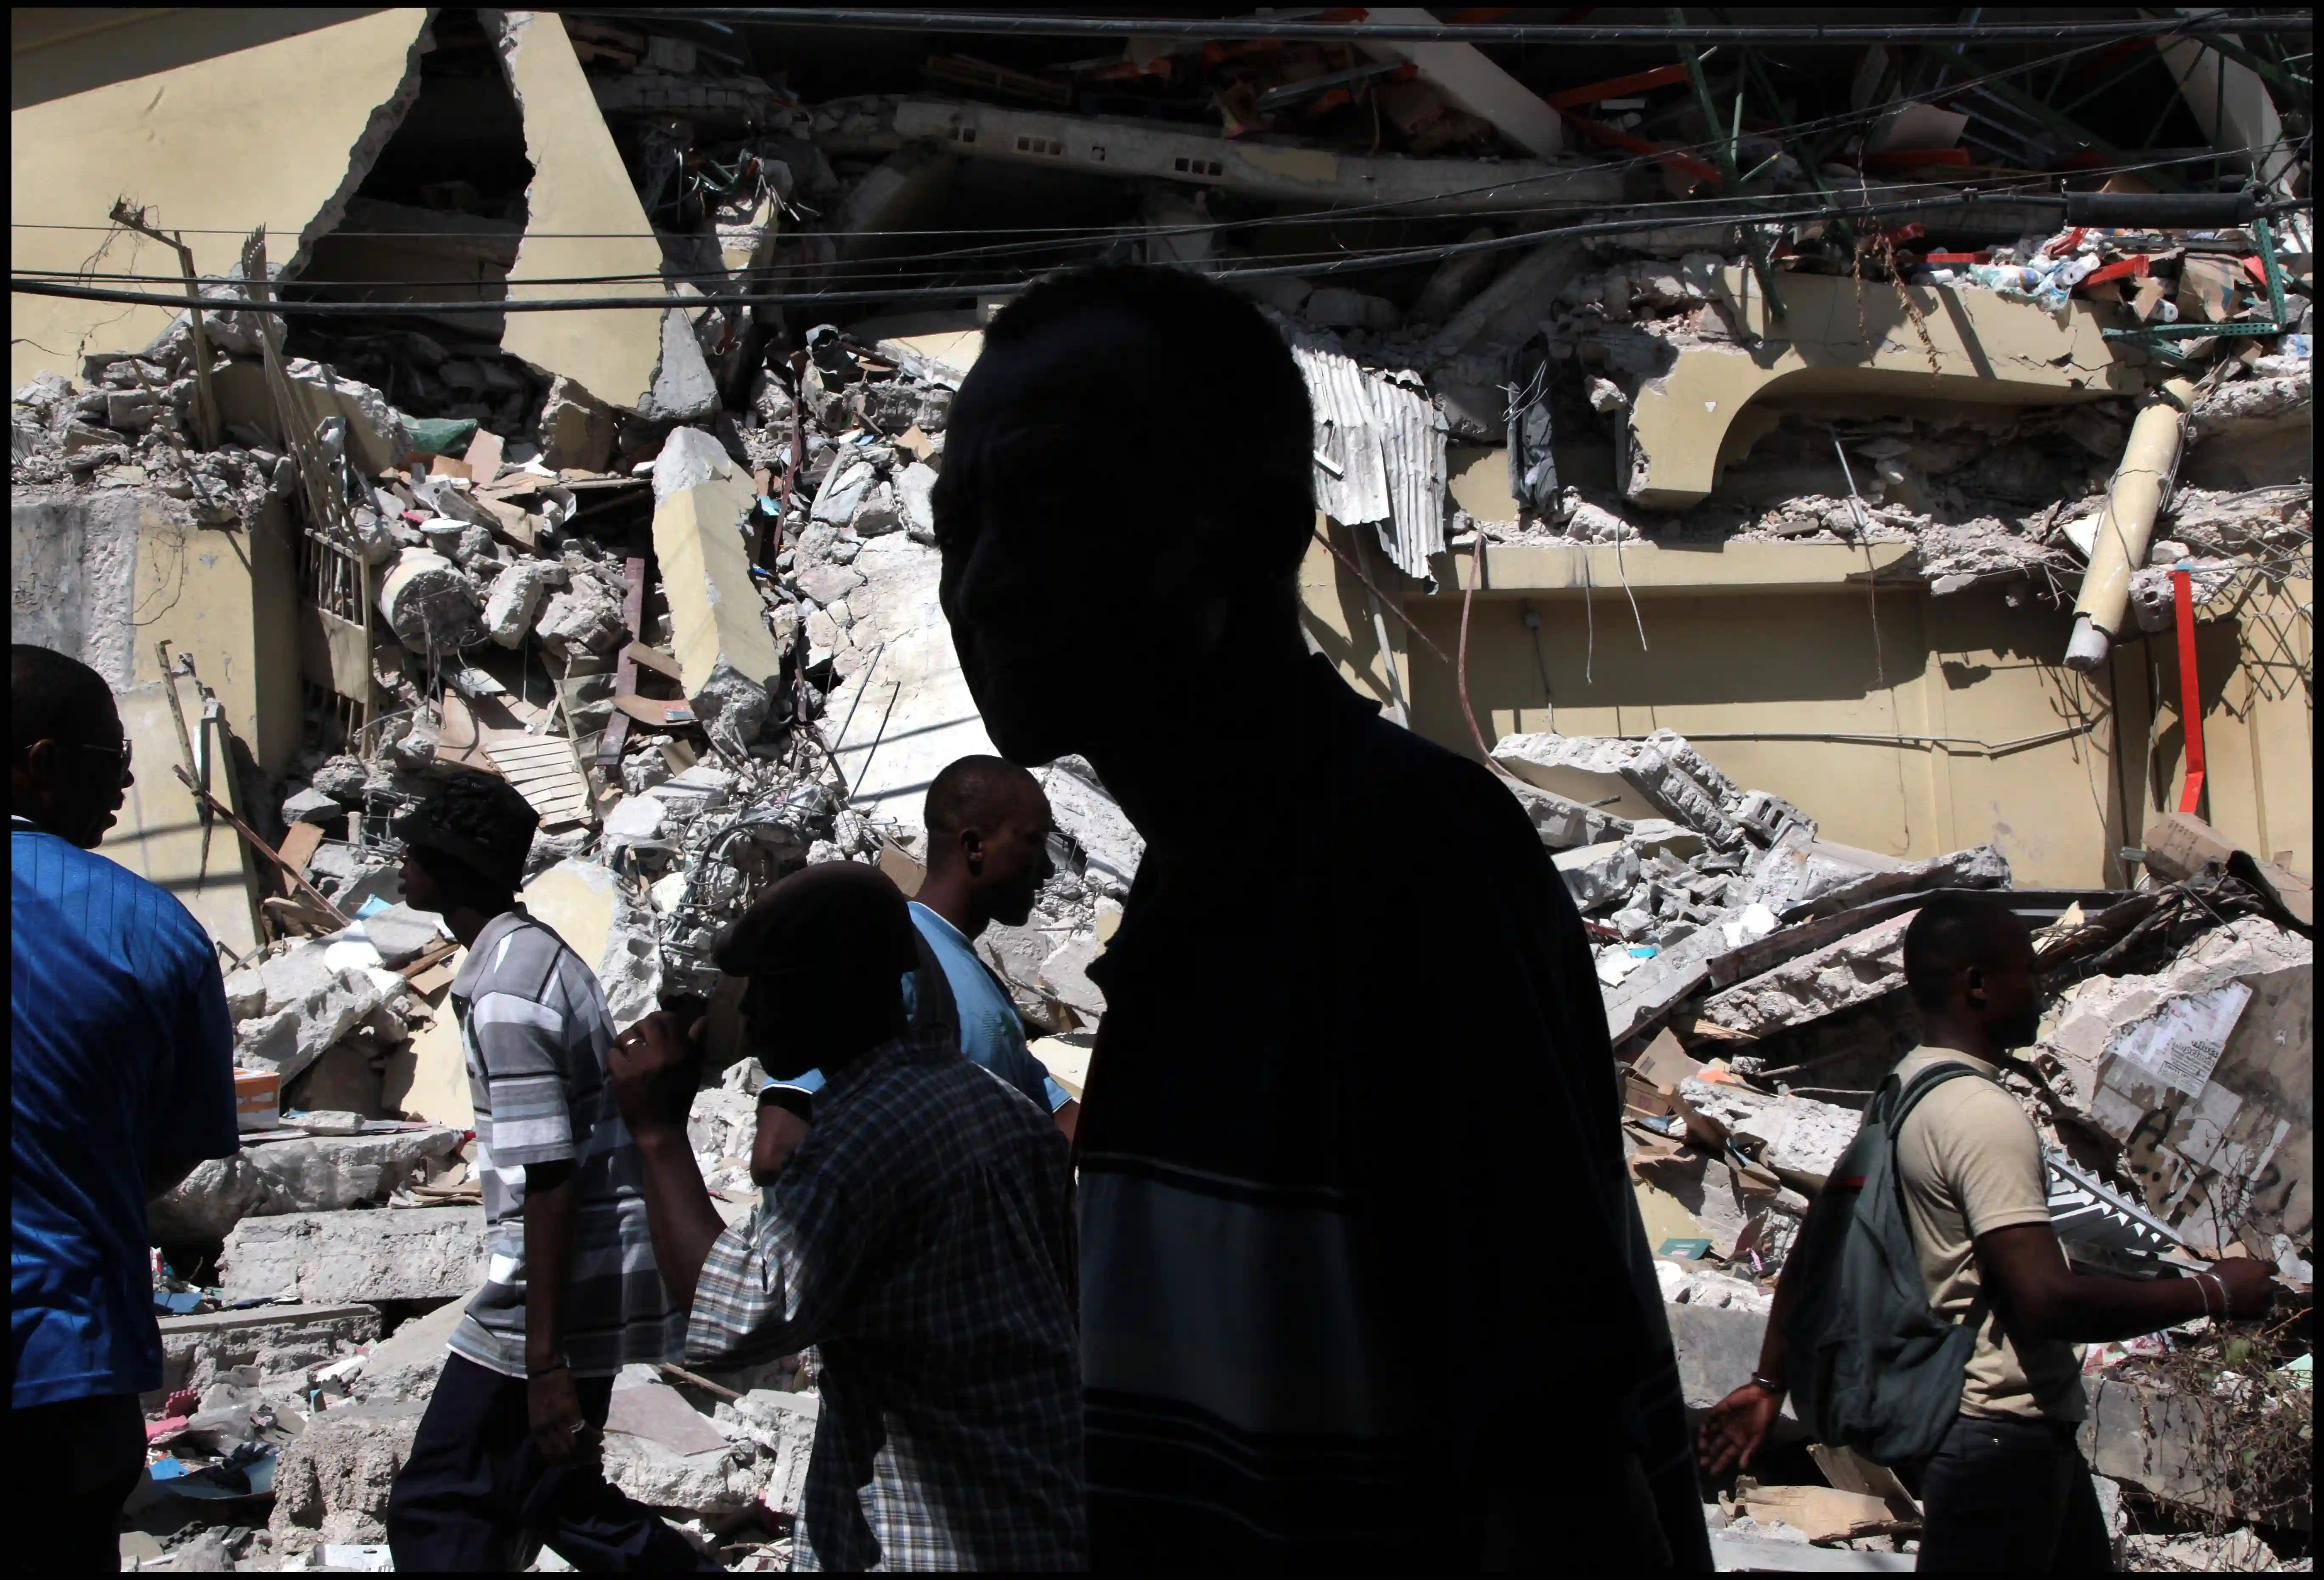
pixel 508 1454
pixel 120 1080
pixel 1392 1305
pixel 2007 1489
pixel 989 826
pixel 920 1237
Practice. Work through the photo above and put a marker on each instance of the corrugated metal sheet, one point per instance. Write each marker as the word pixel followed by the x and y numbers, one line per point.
pixel 1379 449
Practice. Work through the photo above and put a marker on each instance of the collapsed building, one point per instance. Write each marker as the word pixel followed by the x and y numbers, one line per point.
pixel 1955 536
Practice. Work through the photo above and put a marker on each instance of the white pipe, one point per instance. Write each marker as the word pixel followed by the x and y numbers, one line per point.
pixel 2140 487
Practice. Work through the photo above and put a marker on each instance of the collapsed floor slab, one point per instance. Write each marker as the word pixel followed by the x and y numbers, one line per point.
pixel 429 1253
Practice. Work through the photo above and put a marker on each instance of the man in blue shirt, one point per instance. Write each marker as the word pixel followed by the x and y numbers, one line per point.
pixel 121 1079
pixel 989 827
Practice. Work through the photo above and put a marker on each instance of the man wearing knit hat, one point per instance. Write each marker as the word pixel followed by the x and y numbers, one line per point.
pixel 920 1237
pixel 506 1458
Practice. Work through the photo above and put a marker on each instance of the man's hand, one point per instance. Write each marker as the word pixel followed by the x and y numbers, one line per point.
pixel 1736 1427
pixel 2249 1282
pixel 553 1401
pixel 655 1067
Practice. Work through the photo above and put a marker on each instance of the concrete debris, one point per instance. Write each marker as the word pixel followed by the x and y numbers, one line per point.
pixel 356 1255
pixel 1659 776
pixel 673 573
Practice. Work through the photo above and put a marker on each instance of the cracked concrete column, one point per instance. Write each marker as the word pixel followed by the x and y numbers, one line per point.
pixel 725 658
pixel 583 219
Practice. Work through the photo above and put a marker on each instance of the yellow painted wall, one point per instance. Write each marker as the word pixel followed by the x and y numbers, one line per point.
pixel 1764 640
pixel 262 133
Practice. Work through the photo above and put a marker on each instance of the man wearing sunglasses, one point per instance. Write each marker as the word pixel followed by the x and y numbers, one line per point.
pixel 990 843
pixel 121 1081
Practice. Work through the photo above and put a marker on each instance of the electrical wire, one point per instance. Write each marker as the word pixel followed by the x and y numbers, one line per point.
pixel 1787 131
pixel 1039 24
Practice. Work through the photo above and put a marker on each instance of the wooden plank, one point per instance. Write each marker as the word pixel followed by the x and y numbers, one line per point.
pixel 306 891
pixel 483 456
pixel 299 850
pixel 655 659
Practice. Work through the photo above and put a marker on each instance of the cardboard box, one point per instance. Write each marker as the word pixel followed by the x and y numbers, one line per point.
pixel 257 1100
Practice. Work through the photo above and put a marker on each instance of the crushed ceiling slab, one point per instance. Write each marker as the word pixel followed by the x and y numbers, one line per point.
pixel 584 219
pixel 1145 151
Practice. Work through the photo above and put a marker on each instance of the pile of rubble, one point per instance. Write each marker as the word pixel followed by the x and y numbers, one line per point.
pixel 694 620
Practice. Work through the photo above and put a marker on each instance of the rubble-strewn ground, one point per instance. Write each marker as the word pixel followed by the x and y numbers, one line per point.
pixel 709 651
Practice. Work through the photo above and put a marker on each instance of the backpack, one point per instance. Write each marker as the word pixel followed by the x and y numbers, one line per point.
pixel 1872 1367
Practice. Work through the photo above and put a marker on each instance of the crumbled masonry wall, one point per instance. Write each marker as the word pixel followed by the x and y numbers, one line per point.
pixel 204 144
pixel 1845 337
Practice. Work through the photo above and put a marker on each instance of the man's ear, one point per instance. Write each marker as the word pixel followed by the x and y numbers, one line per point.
pixel 1973 985
pixel 972 851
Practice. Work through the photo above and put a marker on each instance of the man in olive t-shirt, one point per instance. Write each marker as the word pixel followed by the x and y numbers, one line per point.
pixel 2007 1490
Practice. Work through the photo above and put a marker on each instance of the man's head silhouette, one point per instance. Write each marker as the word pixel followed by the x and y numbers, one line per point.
pixel 1125 500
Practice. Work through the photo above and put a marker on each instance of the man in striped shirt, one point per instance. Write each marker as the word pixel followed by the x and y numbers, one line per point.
pixel 506 1455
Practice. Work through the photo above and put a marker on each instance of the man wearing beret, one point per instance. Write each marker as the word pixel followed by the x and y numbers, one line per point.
pixel 920 1237
pixel 507 1455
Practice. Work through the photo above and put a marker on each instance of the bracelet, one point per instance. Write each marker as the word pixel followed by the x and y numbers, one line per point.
pixel 548 1371
pixel 2201 1293
pixel 2220 1284
pixel 1760 1380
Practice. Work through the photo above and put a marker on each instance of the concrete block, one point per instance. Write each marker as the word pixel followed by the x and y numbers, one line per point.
pixel 576 428
pixel 725 657
pixel 1798 1138
pixel 1595 875
pixel 429 602
pixel 583 619
pixel 660 1477
pixel 331 1484
pixel 1064 975
pixel 514 604
pixel 824 584
pixel 311 806
pixel 309 1006
pixel 396 1254
pixel 202 1208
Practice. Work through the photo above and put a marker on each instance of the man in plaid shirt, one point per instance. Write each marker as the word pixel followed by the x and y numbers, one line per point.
pixel 922 1236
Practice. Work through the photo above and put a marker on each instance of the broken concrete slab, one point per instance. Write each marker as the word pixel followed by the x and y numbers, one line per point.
pixel 1804 876
pixel 1064 977
pixel 1597 874
pixel 712 1484
pixel 1108 844
pixel 1798 1138
pixel 331 1484
pixel 916 686
pixel 401 934
pixel 327 1173
pixel 274 1339
pixel 584 220
pixel 725 657
pixel 405 1364
pixel 1850 970
pixel 419 1253
pixel 1563 822
pixel 1659 776
pixel 309 1006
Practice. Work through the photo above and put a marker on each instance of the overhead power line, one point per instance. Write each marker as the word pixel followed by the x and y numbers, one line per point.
pixel 1038 24
pixel 1765 212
